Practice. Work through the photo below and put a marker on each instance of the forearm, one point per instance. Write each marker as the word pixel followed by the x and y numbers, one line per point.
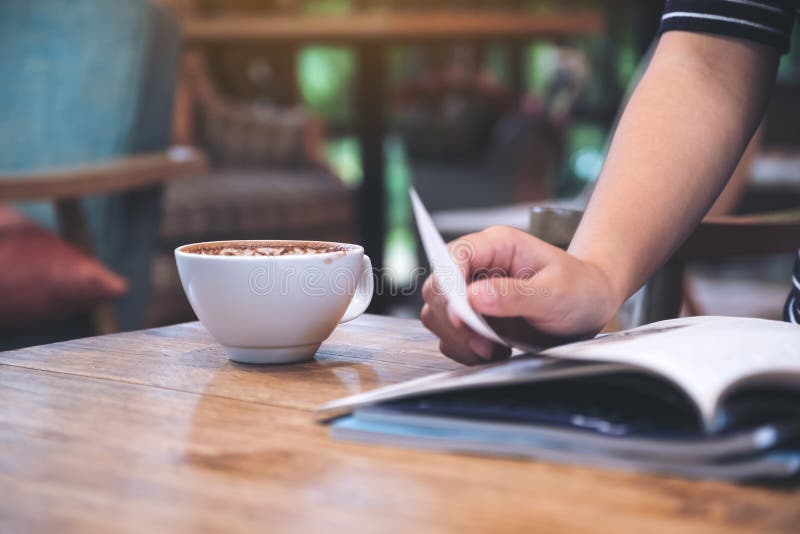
pixel 678 142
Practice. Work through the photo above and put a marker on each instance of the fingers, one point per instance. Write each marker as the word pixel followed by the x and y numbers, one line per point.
pixel 457 341
pixel 507 297
pixel 451 344
pixel 497 253
pixel 521 312
pixel 454 319
pixel 453 341
pixel 500 250
pixel 525 288
pixel 486 349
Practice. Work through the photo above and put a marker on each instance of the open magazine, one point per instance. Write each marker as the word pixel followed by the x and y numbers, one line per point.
pixel 706 361
pixel 712 397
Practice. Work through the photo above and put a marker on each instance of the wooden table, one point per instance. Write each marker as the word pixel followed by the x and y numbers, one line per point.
pixel 156 430
pixel 371 33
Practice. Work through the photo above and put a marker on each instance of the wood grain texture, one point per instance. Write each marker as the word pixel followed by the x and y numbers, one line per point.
pixel 157 430
pixel 387 26
pixel 743 235
pixel 103 178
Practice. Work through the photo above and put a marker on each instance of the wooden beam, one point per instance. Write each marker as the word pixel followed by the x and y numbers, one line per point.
pixel 385 26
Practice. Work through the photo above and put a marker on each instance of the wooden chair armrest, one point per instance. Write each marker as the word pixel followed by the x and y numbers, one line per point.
pixel 735 235
pixel 103 178
pixel 716 237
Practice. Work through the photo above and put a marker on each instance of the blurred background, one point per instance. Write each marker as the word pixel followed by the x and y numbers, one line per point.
pixel 130 127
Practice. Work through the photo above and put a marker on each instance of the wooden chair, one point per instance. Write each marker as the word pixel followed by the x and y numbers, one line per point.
pixel 85 126
pixel 66 187
pixel 267 180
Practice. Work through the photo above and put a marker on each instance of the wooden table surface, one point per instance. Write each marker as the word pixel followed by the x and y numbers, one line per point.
pixel 156 430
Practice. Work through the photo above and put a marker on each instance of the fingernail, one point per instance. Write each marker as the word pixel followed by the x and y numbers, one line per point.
pixel 480 346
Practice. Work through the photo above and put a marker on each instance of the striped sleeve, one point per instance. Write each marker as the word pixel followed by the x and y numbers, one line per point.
pixel 791 310
pixel 767 22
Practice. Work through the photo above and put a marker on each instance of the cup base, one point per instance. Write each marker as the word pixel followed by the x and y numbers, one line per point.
pixel 272 355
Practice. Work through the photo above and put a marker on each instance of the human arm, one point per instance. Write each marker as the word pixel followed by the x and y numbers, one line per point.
pixel 677 143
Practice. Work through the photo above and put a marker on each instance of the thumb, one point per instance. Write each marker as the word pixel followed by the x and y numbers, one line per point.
pixel 505 297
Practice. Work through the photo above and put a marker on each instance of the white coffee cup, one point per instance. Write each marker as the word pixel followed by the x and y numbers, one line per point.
pixel 275 309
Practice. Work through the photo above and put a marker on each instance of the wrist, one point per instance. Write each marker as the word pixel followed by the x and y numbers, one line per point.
pixel 610 292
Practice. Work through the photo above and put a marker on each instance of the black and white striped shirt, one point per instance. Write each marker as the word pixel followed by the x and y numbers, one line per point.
pixel 768 22
pixel 791 311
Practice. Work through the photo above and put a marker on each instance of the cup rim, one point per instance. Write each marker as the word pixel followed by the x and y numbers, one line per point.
pixel 348 249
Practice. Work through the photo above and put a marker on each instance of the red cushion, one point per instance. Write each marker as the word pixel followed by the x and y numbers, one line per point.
pixel 43 278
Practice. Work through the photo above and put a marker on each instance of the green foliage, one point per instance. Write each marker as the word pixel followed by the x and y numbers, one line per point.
pixel 586 150
pixel 325 81
pixel 539 60
pixel 344 156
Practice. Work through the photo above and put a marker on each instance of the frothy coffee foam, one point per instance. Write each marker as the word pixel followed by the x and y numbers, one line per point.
pixel 246 248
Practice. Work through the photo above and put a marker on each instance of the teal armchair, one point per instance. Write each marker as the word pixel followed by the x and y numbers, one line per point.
pixel 86 89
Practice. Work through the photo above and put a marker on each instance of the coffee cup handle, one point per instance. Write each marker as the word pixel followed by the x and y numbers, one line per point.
pixel 363 293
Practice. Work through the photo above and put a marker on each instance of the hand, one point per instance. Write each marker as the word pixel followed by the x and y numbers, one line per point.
pixel 526 289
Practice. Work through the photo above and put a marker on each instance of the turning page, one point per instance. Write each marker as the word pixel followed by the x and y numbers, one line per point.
pixel 449 277
pixel 451 280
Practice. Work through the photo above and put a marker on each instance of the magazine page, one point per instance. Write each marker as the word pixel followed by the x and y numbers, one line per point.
pixel 518 370
pixel 448 275
pixel 705 356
